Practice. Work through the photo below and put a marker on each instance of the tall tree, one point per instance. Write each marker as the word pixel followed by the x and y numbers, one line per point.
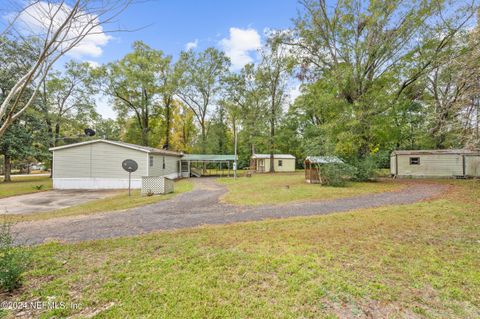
pixel 67 96
pixel 61 27
pixel 273 73
pixel 201 83
pixel 374 51
pixel 133 83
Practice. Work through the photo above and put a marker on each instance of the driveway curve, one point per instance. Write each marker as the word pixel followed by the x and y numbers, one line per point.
pixel 201 206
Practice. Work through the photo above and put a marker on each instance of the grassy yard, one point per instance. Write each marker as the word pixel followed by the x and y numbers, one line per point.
pixel 112 203
pixel 24 185
pixel 411 261
pixel 291 187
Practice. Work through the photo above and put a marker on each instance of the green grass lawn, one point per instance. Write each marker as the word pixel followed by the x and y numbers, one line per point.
pixel 24 185
pixel 112 203
pixel 411 261
pixel 291 187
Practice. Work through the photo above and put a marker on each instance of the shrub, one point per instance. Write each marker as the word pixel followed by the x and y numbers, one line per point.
pixel 365 169
pixel 335 174
pixel 38 187
pixel 13 260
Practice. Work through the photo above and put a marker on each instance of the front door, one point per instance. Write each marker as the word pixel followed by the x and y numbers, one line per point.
pixel 261 165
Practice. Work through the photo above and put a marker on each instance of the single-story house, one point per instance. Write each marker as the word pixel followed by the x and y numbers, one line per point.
pixel 97 164
pixel 313 166
pixel 435 163
pixel 281 162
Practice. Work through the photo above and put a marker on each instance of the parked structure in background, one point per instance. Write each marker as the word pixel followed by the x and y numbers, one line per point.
pixel 97 164
pixel 207 165
pixel 435 163
pixel 282 163
pixel 314 164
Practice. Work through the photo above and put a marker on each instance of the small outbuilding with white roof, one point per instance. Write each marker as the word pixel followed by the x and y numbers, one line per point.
pixel 282 162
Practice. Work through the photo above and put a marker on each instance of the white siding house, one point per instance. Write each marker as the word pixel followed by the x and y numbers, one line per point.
pixel 97 164
pixel 435 163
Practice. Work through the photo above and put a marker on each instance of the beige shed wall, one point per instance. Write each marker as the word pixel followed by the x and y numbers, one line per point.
pixel 171 165
pixel 288 165
pixel 431 165
pixel 472 165
pixel 97 160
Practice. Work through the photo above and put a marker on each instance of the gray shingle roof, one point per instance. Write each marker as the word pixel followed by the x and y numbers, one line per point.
pixel 279 156
pixel 437 152
pixel 146 149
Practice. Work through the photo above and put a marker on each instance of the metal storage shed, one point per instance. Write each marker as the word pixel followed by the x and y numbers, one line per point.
pixel 435 163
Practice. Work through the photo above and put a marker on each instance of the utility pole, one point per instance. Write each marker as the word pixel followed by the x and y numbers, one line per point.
pixel 235 147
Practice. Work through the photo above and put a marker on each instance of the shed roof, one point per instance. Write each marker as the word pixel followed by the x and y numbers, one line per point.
pixel 437 152
pixel 324 160
pixel 208 157
pixel 279 156
pixel 141 148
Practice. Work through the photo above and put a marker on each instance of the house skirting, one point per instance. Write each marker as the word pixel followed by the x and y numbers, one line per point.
pixel 95 183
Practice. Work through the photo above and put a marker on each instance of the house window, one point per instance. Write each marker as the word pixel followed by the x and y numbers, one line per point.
pixel 150 161
pixel 280 163
pixel 163 163
pixel 184 166
pixel 414 160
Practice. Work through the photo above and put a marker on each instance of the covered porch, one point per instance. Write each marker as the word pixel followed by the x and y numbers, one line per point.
pixel 198 165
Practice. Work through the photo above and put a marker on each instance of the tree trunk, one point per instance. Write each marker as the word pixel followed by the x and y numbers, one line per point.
pixel 7 168
pixel 272 139
pixel 167 126
pixel 204 138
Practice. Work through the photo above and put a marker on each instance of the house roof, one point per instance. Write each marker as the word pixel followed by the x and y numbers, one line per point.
pixel 141 148
pixel 208 157
pixel 437 152
pixel 278 156
pixel 323 160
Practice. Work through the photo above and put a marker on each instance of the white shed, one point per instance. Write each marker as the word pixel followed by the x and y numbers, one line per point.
pixel 97 164
pixel 435 163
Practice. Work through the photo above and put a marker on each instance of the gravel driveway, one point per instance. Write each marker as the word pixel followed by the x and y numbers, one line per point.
pixel 199 207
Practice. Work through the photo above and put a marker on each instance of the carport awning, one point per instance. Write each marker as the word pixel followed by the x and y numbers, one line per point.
pixel 208 157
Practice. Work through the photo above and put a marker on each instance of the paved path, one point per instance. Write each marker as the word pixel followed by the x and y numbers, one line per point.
pixel 199 207
pixel 50 200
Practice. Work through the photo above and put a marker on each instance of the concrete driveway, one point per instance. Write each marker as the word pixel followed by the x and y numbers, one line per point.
pixel 49 200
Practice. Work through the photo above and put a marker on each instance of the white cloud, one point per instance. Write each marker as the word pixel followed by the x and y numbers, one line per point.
pixel 36 19
pixel 239 45
pixel 191 45
pixel 93 64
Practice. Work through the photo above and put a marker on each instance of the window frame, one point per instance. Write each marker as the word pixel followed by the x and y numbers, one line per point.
pixel 414 160
pixel 163 163
pixel 150 160
pixel 280 163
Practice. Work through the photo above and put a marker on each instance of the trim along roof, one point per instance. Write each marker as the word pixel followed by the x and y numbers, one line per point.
pixel 323 160
pixel 437 152
pixel 279 156
pixel 208 157
pixel 146 149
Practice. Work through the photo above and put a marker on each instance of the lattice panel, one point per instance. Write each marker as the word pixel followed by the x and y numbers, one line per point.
pixel 156 185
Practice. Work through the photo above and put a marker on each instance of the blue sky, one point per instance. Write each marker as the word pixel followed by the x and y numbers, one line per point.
pixel 234 26
pixel 170 25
